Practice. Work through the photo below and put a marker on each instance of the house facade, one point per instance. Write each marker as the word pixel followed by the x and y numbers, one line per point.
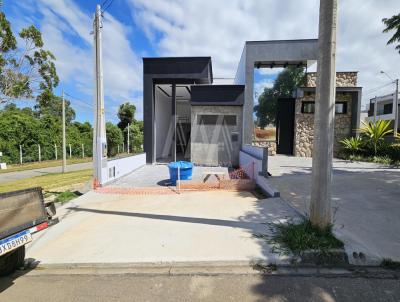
pixel 188 115
pixel 383 108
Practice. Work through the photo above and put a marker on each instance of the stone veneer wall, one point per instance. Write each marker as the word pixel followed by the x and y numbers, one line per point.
pixel 304 129
pixel 343 79
pixel 271 144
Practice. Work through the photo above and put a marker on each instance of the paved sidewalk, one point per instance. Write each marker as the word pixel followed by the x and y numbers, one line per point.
pixel 187 227
pixel 366 202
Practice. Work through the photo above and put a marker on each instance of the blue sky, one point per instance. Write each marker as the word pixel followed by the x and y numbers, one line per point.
pixel 134 29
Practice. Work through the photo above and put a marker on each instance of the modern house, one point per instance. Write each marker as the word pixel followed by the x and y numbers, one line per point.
pixel 382 108
pixel 187 115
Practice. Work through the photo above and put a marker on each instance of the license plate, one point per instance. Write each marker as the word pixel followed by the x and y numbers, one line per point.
pixel 13 242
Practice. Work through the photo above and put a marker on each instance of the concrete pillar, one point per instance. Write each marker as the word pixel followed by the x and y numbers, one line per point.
pixel 173 121
pixel 324 118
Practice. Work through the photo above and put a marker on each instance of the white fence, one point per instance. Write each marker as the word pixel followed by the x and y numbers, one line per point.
pixel 254 161
pixel 119 167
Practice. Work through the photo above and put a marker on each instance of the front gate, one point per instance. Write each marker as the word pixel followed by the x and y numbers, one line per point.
pixel 285 126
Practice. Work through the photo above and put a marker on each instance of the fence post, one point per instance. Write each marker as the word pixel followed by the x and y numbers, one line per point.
pixel 118 149
pixel 40 155
pixel 55 150
pixel 83 151
pixel 20 154
pixel 69 150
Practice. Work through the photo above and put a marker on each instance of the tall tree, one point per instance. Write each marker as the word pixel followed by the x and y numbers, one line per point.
pixel 25 71
pixel 393 23
pixel 126 115
pixel 285 83
pixel 50 104
pixel 114 138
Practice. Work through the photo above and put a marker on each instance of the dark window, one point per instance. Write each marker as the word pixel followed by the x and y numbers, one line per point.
pixel 230 120
pixel 341 108
pixel 207 119
pixel 211 119
pixel 234 137
pixel 307 107
pixel 387 108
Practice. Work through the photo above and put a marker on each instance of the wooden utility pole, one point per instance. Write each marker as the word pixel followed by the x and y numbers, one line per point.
pixel 64 147
pixel 324 118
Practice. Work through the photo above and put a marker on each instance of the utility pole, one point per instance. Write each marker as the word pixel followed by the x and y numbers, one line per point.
pixel 20 154
pixel 64 154
pixel 324 118
pixel 128 139
pixel 99 137
pixel 40 155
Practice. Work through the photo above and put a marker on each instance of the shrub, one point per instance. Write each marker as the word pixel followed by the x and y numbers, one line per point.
pixel 374 133
pixel 353 145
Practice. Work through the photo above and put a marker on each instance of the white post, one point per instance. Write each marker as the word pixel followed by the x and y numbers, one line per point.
pixel 375 107
pixel 64 147
pixel 40 155
pixel 396 109
pixel 55 150
pixel 70 152
pixel 123 147
pixel 118 149
pixel 83 151
pixel 179 178
pixel 128 139
pixel 324 117
pixel 99 135
pixel 20 154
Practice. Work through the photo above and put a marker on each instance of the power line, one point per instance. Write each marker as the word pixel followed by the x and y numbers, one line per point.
pixel 87 105
pixel 377 88
pixel 105 8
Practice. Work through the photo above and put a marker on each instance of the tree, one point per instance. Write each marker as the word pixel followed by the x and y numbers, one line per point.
pixel 25 71
pixel 126 114
pixel 114 138
pixel 49 104
pixel 289 79
pixel 135 136
pixel 393 23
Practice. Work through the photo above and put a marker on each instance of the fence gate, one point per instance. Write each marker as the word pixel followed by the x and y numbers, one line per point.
pixel 285 126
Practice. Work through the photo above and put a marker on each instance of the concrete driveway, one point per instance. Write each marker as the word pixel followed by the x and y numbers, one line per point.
pixel 366 201
pixel 188 227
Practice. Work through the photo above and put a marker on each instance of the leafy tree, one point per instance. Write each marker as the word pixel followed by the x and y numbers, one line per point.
pixel 135 136
pixel 393 23
pixel 114 139
pixel 126 114
pixel 50 104
pixel 26 71
pixel 285 83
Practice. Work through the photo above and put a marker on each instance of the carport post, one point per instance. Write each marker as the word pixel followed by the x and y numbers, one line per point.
pixel 173 121
pixel 324 118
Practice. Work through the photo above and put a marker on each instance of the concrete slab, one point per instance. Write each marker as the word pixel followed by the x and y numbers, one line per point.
pixel 365 200
pixel 158 175
pixel 188 227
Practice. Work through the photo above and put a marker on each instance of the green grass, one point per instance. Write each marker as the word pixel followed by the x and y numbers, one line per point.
pixel 43 164
pixel 385 160
pixel 65 196
pixel 299 237
pixel 51 181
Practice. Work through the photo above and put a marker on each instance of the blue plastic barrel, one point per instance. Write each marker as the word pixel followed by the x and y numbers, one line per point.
pixel 185 167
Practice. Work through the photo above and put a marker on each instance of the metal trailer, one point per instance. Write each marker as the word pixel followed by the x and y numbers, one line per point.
pixel 22 213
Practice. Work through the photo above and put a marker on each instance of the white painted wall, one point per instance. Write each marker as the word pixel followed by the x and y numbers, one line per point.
pixel 163 129
pixel 119 167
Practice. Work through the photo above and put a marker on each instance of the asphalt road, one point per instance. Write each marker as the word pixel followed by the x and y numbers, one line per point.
pixel 6 177
pixel 231 287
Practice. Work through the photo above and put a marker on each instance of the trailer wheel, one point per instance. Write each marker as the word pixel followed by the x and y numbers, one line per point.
pixel 10 262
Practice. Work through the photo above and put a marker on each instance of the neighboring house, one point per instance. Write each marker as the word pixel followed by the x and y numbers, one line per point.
pixel 187 115
pixel 382 108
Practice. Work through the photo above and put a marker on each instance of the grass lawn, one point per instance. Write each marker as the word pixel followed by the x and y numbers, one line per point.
pixel 50 181
pixel 44 164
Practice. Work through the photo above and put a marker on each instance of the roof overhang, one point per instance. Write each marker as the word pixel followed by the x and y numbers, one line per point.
pixel 217 95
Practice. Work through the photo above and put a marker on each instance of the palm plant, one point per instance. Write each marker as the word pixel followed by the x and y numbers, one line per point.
pixel 353 144
pixel 375 132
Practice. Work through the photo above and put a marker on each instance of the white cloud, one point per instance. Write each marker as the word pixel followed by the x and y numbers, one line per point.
pixel 220 28
pixel 66 30
pixel 259 88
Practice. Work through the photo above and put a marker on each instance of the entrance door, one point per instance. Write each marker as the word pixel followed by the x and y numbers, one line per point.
pixel 285 126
